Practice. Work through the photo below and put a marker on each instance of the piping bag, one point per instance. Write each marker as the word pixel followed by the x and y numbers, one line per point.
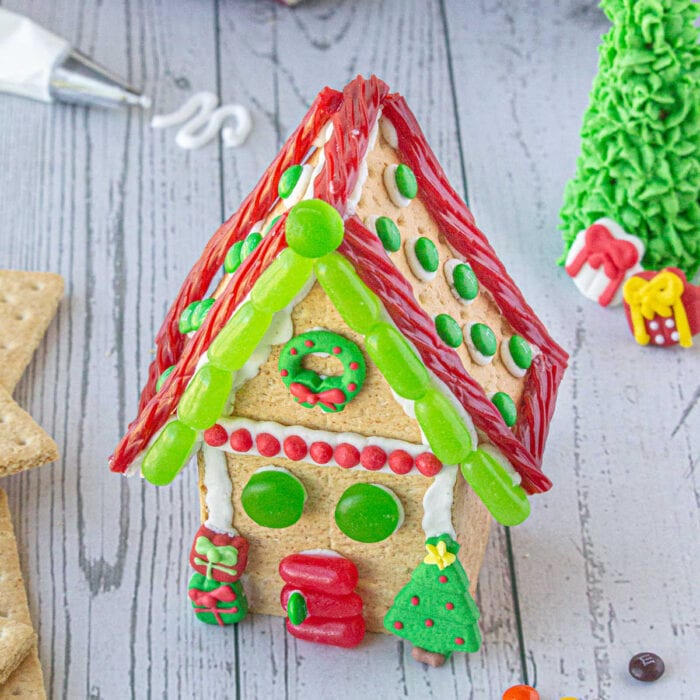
pixel 37 64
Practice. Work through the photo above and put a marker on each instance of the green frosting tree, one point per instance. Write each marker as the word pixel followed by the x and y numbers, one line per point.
pixel 434 610
pixel 640 141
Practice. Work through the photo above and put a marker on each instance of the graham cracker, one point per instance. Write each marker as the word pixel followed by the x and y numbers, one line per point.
pixel 23 443
pixel 16 639
pixel 27 679
pixel 28 302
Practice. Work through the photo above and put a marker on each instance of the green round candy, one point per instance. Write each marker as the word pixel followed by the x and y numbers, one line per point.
pixel 233 257
pixel 484 339
pixel 506 407
pixel 250 244
pixel 297 611
pixel 368 513
pixel 273 498
pixel 289 179
pixel 168 453
pixel 273 222
pixel 185 323
pixel 388 233
pixel 314 228
pixel 507 502
pixel 427 254
pixel 406 181
pixel 166 373
pixel 449 330
pixel 465 281
pixel 204 399
pixel 201 311
pixel 520 351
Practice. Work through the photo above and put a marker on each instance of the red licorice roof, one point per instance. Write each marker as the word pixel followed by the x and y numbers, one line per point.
pixel 353 114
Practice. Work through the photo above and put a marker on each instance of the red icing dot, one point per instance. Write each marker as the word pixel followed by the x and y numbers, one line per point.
pixel 321 452
pixel 443 579
pixel 295 448
pixel 352 386
pixel 347 455
pixel 240 440
pixel 400 462
pixel 429 623
pixel 354 365
pixel 428 464
pixel 450 606
pixel 398 625
pixel 293 351
pixel 284 373
pixel 415 600
pixel 234 609
pixel 336 350
pixel 216 435
pixel 459 640
pixel 309 343
pixel 373 458
pixel 268 445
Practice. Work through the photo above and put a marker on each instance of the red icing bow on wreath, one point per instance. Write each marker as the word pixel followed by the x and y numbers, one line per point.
pixel 207 601
pixel 330 398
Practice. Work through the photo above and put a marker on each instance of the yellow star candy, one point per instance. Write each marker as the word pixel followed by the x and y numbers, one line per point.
pixel 439 555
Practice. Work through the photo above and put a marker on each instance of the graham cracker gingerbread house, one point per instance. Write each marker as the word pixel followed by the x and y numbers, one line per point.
pixel 365 384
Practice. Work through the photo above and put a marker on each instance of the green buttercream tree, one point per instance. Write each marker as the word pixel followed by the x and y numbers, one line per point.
pixel 434 610
pixel 640 141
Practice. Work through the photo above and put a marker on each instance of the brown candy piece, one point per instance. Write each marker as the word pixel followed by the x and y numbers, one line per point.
pixel 647 667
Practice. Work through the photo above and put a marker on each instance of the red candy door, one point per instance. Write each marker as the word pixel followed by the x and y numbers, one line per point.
pixel 320 600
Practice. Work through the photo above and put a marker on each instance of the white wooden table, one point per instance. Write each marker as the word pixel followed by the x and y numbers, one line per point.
pixel 608 563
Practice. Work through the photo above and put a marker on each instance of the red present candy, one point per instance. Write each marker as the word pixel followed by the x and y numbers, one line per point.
pixel 219 556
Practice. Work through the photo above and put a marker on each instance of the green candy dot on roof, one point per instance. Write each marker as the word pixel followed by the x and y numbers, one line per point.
pixel 448 329
pixel 233 257
pixel 314 228
pixel 465 281
pixel 427 254
pixel 166 373
pixel 506 407
pixel 520 351
pixel 368 513
pixel 484 339
pixel 250 244
pixel 288 181
pixel 406 181
pixel 388 233
pixel 193 315
pixel 272 223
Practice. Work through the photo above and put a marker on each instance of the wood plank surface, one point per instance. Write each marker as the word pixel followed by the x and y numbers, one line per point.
pixel 608 563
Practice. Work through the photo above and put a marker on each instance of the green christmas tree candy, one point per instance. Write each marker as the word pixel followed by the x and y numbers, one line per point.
pixel 434 610
pixel 640 142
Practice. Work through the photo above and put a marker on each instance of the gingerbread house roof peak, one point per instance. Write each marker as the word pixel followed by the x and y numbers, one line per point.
pixel 336 246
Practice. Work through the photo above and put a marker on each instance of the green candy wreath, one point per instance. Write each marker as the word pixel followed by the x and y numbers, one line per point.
pixel 309 388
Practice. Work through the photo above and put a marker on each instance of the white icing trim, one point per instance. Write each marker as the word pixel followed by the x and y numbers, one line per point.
pixel 301 188
pixel 449 270
pixel 477 356
pixel 508 360
pixel 322 553
pixel 389 133
pixel 219 498
pixel 324 135
pixel 310 435
pixel 392 189
pixel 417 269
pixel 437 504
pixel 592 282
pixel 363 172
pixel 499 457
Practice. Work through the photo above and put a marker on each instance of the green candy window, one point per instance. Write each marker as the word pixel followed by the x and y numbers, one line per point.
pixel 369 513
pixel 273 497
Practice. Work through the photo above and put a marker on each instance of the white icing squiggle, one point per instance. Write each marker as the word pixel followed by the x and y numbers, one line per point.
pixel 477 356
pixel 363 172
pixel 219 490
pixel 392 189
pixel 412 259
pixel 202 121
pixel 449 269
pixel 389 132
pixel 437 504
